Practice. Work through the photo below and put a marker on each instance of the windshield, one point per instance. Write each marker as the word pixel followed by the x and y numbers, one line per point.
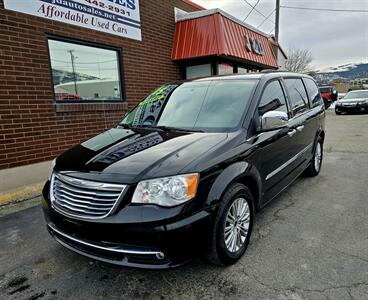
pixel 325 90
pixel 215 105
pixel 356 95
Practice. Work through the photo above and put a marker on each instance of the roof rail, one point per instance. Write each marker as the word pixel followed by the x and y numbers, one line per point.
pixel 274 71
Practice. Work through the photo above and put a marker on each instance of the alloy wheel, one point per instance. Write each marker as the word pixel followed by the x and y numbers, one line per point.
pixel 318 157
pixel 237 225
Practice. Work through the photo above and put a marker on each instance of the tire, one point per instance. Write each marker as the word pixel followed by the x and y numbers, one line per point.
pixel 337 112
pixel 219 253
pixel 314 167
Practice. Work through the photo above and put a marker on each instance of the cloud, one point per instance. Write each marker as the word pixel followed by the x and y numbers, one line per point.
pixel 332 37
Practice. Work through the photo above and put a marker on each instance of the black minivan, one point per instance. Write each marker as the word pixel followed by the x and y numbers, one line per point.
pixel 185 171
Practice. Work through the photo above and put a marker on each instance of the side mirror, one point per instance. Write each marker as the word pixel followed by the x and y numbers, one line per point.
pixel 335 95
pixel 274 119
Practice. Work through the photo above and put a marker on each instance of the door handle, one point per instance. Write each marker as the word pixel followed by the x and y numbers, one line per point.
pixel 291 132
pixel 300 128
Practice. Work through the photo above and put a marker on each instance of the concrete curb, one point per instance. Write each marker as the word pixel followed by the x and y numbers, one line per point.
pixel 21 194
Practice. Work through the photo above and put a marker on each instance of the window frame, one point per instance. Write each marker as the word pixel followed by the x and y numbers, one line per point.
pixel 293 115
pixel 119 52
pixel 283 89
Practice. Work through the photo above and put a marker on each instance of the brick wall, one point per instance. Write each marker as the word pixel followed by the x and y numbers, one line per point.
pixel 32 127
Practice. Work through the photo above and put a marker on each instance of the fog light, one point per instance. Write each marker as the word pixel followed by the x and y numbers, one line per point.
pixel 160 255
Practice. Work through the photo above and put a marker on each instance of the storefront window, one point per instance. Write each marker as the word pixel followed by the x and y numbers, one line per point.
pixel 84 72
pixel 198 71
pixel 225 69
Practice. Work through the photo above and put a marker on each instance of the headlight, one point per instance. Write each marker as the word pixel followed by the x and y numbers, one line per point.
pixel 167 191
pixel 53 163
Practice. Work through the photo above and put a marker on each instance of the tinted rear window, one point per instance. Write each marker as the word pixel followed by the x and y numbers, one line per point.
pixel 313 92
pixel 298 95
pixel 325 90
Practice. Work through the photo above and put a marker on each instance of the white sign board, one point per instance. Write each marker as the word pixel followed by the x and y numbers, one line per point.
pixel 119 17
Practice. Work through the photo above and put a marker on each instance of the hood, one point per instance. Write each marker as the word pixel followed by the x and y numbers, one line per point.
pixel 132 155
pixel 354 100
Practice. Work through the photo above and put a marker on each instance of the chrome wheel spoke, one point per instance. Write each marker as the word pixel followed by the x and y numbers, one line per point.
pixel 230 218
pixel 239 208
pixel 239 242
pixel 228 231
pixel 237 225
pixel 233 241
pixel 243 230
pixel 229 239
pixel 244 218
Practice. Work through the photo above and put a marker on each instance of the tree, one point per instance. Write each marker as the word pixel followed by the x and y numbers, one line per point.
pixel 299 60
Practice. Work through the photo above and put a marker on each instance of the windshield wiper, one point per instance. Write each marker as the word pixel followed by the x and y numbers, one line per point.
pixel 164 128
pixel 169 128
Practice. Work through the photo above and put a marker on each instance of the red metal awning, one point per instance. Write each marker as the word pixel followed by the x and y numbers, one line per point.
pixel 204 34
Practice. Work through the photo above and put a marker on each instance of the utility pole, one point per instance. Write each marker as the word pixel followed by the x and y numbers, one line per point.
pixel 277 28
pixel 277 21
pixel 72 58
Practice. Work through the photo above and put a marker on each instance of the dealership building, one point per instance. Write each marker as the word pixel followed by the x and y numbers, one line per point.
pixel 70 69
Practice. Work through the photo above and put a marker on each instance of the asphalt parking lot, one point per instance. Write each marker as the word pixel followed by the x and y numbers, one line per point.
pixel 310 243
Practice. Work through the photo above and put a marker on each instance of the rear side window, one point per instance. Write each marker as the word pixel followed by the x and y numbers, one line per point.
pixel 273 98
pixel 313 92
pixel 325 90
pixel 298 95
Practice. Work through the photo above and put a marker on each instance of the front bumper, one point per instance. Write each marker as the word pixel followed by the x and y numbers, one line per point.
pixel 352 108
pixel 155 244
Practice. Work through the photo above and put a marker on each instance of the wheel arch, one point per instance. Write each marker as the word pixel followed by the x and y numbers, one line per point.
pixel 239 172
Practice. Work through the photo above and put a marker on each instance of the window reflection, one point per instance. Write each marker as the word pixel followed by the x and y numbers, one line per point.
pixel 298 95
pixel 272 99
pixel 84 73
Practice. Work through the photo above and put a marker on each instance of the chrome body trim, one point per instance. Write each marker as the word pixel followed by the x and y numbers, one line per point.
pixel 116 249
pixel 284 165
pixel 90 184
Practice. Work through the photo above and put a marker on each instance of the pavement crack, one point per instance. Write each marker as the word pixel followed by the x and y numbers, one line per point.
pixel 344 151
pixel 349 286
pixel 348 254
pixel 301 289
pixel 289 202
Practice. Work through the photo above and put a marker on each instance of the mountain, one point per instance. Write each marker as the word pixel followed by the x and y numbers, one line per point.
pixel 344 72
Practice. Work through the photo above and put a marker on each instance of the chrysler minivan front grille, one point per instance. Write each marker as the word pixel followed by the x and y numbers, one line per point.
pixel 82 198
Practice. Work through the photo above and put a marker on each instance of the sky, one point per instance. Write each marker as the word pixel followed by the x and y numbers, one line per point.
pixel 333 38
pixel 85 59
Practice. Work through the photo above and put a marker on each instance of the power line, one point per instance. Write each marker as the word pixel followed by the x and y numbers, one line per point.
pixel 257 11
pixel 266 18
pixel 253 7
pixel 325 9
